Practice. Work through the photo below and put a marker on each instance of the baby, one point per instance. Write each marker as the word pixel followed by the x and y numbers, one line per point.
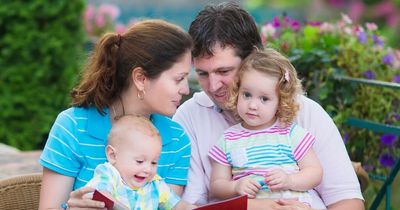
pixel 129 176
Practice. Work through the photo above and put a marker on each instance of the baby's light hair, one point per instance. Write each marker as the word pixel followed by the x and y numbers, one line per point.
pixel 271 63
pixel 131 123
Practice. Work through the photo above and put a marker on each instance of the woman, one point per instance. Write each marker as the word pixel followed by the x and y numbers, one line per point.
pixel 142 72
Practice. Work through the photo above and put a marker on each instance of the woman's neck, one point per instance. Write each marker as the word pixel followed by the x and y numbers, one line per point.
pixel 125 105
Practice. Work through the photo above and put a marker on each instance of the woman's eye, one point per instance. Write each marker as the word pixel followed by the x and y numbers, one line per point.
pixel 154 163
pixel 139 161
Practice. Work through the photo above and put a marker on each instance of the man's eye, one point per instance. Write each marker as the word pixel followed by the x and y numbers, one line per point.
pixel 223 72
pixel 202 74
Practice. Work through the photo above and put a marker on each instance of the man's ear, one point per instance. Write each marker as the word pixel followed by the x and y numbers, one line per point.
pixel 138 78
pixel 111 154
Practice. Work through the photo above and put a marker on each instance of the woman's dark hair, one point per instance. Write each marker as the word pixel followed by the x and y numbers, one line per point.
pixel 226 24
pixel 153 45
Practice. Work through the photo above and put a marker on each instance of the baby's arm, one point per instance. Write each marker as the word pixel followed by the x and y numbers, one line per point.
pixel 309 176
pixel 223 187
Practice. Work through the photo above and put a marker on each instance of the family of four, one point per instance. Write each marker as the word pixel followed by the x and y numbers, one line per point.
pixel 251 131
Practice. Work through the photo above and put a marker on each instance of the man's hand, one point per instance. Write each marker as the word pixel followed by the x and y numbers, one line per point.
pixel 291 204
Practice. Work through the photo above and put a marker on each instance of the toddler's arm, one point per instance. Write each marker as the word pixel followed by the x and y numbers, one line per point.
pixel 309 176
pixel 223 187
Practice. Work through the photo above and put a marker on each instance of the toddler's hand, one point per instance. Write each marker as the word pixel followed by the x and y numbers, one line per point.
pixel 278 180
pixel 247 186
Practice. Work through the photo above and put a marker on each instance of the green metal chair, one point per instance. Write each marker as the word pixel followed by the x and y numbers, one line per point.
pixel 386 188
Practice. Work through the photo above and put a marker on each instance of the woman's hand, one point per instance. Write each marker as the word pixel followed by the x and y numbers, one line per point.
pixel 247 186
pixel 81 199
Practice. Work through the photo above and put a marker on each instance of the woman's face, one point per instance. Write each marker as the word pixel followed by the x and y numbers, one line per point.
pixel 163 95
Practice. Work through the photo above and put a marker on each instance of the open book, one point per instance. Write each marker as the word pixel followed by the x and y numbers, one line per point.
pixel 237 203
pixel 110 203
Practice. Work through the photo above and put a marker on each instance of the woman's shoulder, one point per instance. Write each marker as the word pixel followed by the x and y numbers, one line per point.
pixel 73 115
pixel 168 129
pixel 163 121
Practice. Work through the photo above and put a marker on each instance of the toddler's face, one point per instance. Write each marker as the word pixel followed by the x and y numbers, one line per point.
pixel 136 159
pixel 258 100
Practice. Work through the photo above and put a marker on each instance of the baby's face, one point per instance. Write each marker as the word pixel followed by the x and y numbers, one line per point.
pixel 136 159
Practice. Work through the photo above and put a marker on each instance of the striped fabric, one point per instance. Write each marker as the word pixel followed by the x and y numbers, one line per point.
pixel 153 195
pixel 256 152
pixel 77 140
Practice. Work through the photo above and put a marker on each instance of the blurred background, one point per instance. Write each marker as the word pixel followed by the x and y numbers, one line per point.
pixel 43 46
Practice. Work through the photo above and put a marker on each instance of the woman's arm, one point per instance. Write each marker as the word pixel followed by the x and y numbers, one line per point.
pixel 56 189
pixel 178 189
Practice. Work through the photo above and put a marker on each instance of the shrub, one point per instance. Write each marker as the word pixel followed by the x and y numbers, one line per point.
pixel 320 51
pixel 40 43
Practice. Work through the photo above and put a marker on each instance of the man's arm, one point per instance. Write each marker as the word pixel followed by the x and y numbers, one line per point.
pixel 354 204
pixel 339 182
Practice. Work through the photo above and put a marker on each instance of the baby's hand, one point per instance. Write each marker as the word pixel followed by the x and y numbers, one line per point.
pixel 278 180
pixel 247 186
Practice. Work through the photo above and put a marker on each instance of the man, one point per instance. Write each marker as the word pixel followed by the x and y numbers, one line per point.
pixel 223 36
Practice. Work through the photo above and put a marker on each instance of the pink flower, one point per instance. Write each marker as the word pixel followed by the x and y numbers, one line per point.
pixel 356 9
pixel 89 28
pixel 276 22
pixel 120 28
pixel 89 13
pixel 371 26
pixel 109 10
pixel 358 29
pixel 347 30
pixel 384 8
pixel 397 54
pixel 268 30
pixel 326 27
pixel 346 19
pixel 100 21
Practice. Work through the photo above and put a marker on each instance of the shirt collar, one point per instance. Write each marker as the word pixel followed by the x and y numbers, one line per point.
pixel 204 100
pixel 98 125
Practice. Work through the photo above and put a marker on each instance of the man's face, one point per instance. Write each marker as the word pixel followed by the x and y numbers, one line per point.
pixel 217 73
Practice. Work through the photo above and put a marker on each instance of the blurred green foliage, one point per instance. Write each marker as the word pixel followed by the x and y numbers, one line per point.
pixel 40 44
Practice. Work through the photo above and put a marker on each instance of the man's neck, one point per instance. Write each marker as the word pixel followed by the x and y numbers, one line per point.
pixel 229 117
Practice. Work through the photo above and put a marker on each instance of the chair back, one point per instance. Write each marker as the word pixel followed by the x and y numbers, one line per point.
pixel 20 192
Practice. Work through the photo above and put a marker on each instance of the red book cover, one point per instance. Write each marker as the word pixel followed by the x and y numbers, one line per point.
pixel 237 203
pixel 110 203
